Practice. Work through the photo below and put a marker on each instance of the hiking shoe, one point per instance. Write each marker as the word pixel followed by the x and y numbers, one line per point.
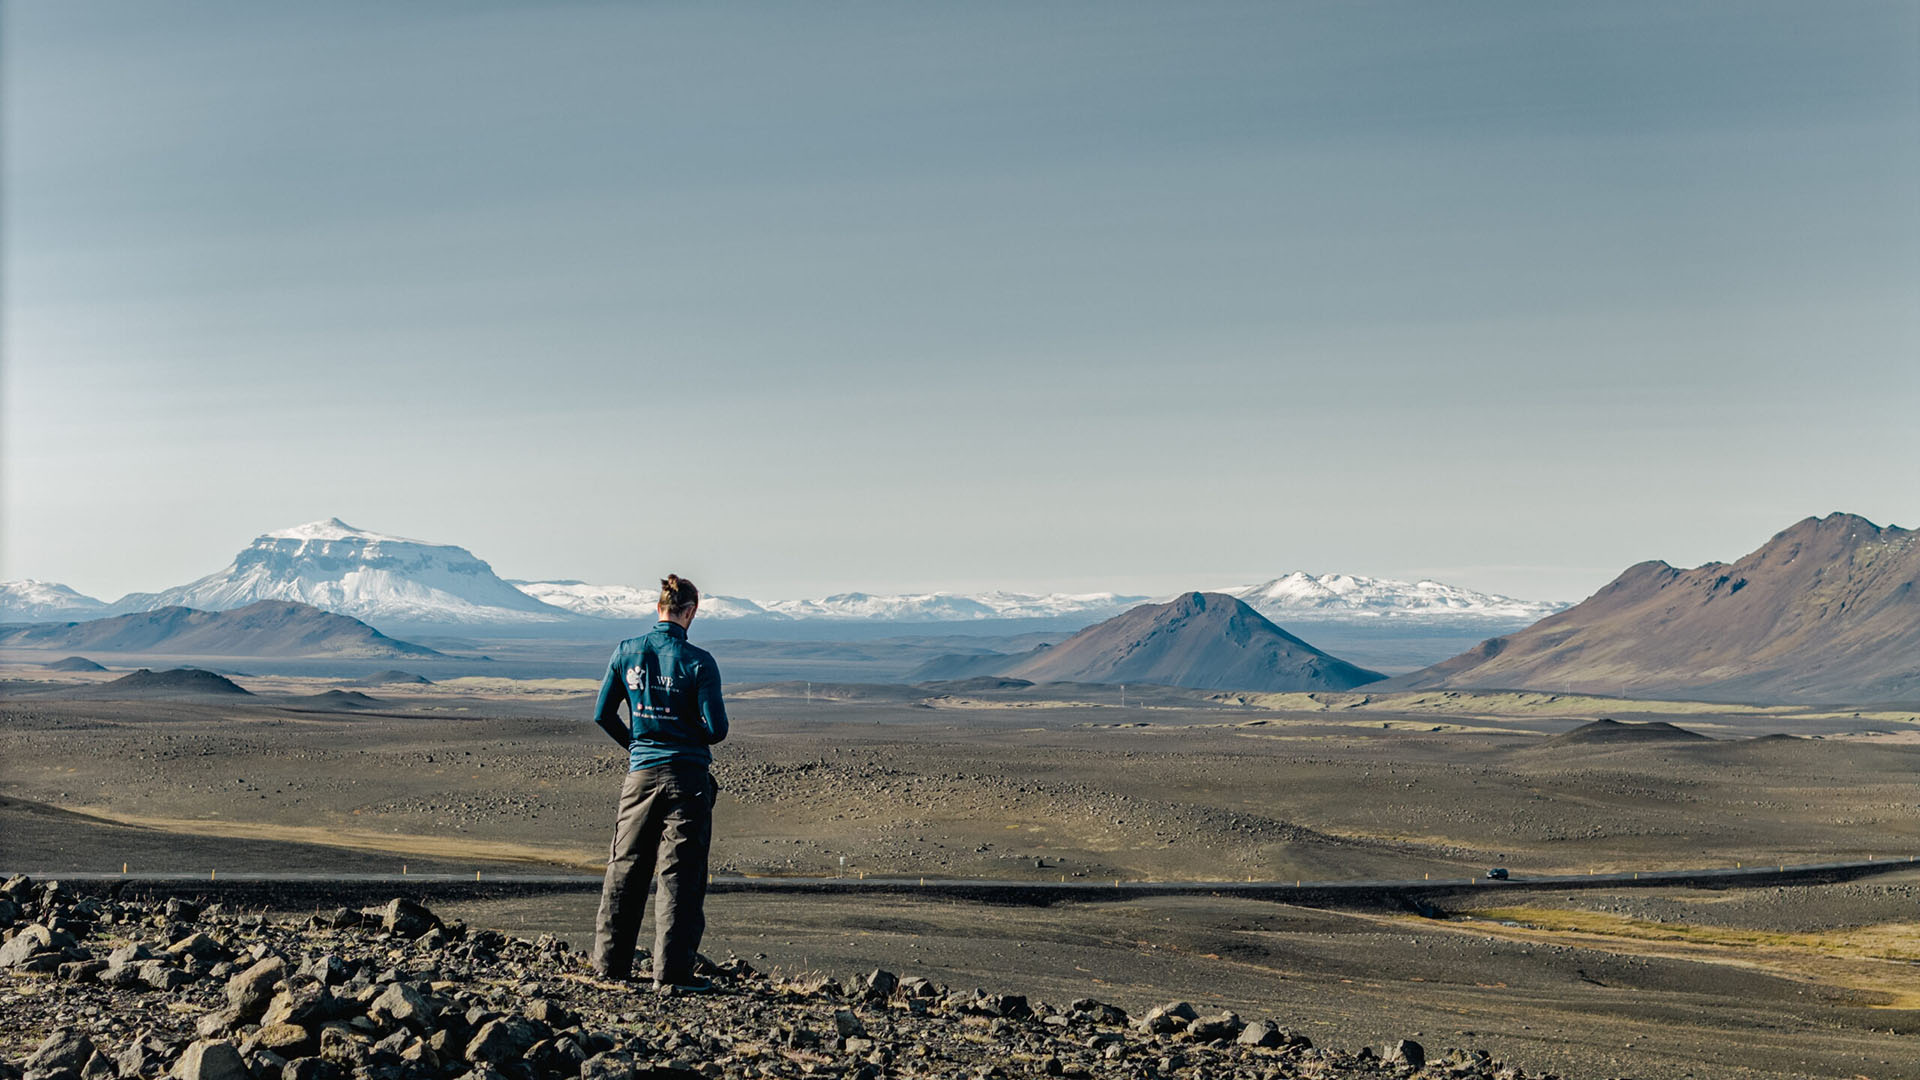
pixel 692 984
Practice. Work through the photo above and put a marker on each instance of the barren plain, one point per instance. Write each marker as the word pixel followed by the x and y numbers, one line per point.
pixel 985 780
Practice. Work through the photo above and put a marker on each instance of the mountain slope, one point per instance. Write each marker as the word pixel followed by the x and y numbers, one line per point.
pixel 45 601
pixel 1828 610
pixel 1208 641
pixel 332 565
pixel 267 628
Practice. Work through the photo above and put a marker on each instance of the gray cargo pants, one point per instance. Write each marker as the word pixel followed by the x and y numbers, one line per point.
pixel 664 823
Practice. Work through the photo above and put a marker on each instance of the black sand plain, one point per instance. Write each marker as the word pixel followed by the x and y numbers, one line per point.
pixel 1048 783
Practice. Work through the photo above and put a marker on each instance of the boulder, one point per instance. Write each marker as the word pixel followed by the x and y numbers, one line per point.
pixel 550 1013
pixel 66 1054
pixel 178 910
pixel 1406 1052
pixel 142 1056
pixel 847 1024
pixel 290 1041
pixel 134 953
pixel 306 1004
pixel 160 975
pixel 880 984
pixel 1260 1033
pixel 400 1005
pixel 250 992
pixel 215 1060
pixel 1169 1018
pixel 1217 1028
pixel 407 918
pixel 217 1023
pixel 611 1065
pixel 328 969
pixel 1009 1006
pixel 199 946
pixel 500 1041
pixel 311 1068
pixel 32 940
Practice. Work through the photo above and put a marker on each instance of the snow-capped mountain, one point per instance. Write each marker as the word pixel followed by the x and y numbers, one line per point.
pixel 46 601
pixel 632 602
pixel 367 575
pixel 1346 596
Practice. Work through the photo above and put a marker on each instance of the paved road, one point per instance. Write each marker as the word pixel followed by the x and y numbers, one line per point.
pixel 304 889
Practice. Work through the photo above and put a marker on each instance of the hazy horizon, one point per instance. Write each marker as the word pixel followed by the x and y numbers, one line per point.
pixel 868 297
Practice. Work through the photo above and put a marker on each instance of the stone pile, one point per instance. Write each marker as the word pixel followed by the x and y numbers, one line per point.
pixel 96 988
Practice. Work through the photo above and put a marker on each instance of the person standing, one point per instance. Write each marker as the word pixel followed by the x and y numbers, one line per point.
pixel 664 821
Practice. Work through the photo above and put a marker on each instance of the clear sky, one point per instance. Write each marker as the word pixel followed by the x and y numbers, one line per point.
pixel 799 298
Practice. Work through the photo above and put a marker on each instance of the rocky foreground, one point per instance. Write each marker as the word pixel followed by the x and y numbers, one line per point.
pixel 103 988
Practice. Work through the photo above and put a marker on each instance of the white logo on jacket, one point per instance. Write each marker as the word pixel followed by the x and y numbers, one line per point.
pixel 636 676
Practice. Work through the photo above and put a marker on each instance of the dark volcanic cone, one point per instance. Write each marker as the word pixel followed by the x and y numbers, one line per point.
pixel 1828 610
pixel 1615 732
pixel 178 682
pixel 341 699
pixel 75 663
pixel 1208 641
pixel 390 677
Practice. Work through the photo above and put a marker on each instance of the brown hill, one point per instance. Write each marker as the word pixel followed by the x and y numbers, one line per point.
pixel 1828 610
pixel 264 628
pixel 1209 641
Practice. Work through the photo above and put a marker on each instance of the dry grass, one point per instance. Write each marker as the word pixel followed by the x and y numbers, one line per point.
pixel 384 843
pixel 1879 959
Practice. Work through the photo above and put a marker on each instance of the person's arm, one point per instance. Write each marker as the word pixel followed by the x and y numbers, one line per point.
pixel 606 711
pixel 713 712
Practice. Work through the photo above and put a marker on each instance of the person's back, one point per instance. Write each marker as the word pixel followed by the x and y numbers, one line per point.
pixel 672 690
pixel 664 821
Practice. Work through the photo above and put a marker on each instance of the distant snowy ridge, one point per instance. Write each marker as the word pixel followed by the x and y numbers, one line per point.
pixel 632 602
pixel 371 576
pixel 381 578
pixel 1346 596
pixel 626 601
pixel 30 600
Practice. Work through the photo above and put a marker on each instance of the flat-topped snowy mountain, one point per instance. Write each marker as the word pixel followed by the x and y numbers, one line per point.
pixel 1346 596
pixel 45 601
pixel 332 565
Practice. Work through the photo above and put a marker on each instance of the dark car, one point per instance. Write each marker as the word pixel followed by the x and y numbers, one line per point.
pixel 1498 873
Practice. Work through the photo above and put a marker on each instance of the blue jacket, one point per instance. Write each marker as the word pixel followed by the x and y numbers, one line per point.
pixel 672 691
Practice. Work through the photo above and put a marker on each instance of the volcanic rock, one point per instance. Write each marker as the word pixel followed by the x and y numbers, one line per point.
pixel 67 1054
pixel 216 1060
pixel 250 992
pixel 1406 1052
pixel 407 918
